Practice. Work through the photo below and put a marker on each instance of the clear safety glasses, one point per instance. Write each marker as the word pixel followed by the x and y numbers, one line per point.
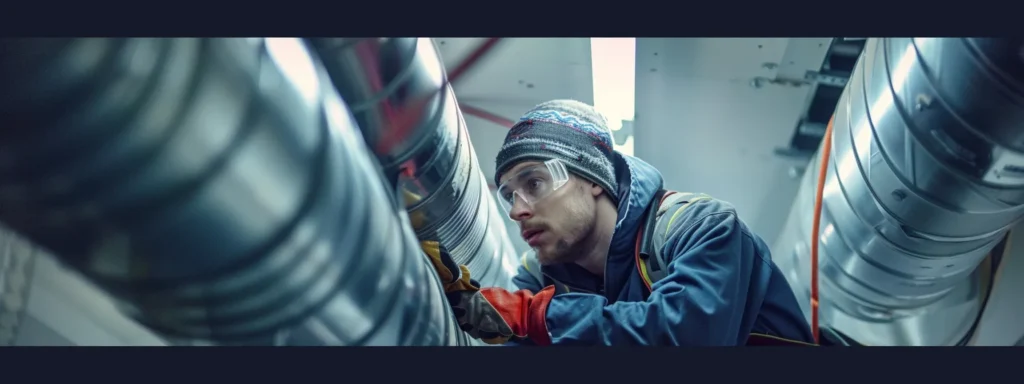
pixel 532 184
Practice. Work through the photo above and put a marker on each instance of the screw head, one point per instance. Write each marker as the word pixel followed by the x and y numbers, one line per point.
pixel 899 195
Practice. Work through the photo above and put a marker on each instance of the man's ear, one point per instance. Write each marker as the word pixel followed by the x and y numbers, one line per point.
pixel 596 190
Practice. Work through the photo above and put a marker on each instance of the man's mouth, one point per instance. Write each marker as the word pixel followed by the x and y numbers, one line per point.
pixel 531 236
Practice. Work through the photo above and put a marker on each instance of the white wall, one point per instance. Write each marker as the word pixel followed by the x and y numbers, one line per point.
pixel 700 122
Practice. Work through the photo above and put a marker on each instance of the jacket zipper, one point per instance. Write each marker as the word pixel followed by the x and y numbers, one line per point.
pixel 604 279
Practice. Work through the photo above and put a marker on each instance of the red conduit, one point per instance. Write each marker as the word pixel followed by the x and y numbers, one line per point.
pixel 407 117
pixel 474 111
pixel 472 59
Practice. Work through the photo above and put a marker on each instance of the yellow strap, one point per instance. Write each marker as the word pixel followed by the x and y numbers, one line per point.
pixel 643 265
pixel 681 209
pixel 647 279
pixel 782 339
pixel 644 275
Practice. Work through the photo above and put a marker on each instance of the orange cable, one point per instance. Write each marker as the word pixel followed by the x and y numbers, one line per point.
pixel 826 150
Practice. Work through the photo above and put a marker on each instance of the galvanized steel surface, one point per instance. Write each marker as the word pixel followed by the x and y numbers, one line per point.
pixel 398 92
pixel 926 176
pixel 218 187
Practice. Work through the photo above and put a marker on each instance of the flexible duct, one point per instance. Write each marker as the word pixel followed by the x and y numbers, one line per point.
pixel 397 91
pixel 925 178
pixel 217 188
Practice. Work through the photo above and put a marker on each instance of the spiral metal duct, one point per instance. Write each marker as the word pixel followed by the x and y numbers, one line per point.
pixel 397 90
pixel 925 178
pixel 217 187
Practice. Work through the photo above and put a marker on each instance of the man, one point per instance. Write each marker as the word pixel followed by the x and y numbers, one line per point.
pixel 581 205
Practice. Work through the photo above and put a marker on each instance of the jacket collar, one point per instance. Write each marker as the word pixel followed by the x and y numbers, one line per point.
pixel 638 183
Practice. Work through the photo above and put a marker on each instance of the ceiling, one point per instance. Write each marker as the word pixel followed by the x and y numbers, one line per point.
pixel 515 76
pixel 698 117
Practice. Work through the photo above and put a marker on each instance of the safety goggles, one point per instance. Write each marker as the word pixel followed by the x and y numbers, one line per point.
pixel 532 184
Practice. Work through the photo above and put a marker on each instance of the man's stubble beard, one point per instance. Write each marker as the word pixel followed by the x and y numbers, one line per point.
pixel 580 218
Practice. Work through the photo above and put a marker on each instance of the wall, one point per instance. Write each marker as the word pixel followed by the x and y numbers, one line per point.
pixel 701 122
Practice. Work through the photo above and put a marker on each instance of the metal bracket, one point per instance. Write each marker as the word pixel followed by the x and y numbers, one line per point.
pixel 824 79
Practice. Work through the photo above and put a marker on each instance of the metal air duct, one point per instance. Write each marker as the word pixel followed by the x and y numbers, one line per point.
pixel 925 178
pixel 398 92
pixel 217 187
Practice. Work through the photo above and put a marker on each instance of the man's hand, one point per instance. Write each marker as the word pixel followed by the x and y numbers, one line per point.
pixel 454 277
pixel 493 315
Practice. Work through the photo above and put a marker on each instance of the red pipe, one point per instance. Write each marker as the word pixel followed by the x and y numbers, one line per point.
pixel 472 59
pixel 474 111
pixel 406 117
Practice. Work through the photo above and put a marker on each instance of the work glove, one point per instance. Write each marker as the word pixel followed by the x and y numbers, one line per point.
pixel 492 315
pixel 454 277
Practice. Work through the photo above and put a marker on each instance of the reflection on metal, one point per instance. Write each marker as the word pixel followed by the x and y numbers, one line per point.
pixel 924 180
pixel 397 91
pixel 218 188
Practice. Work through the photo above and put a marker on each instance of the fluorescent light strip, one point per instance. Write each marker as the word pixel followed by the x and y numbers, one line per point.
pixel 614 75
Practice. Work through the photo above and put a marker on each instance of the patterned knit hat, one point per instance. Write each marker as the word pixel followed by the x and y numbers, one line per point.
pixel 568 130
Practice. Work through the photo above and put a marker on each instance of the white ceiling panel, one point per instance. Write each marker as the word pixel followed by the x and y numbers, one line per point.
pixel 516 75
pixel 523 71
pixel 727 59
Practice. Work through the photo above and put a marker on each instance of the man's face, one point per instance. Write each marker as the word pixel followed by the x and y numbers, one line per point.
pixel 555 225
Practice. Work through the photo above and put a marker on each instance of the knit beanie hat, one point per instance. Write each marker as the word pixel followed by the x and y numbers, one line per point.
pixel 568 130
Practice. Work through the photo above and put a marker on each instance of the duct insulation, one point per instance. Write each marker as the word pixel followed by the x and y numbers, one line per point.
pixel 219 189
pixel 925 179
pixel 399 94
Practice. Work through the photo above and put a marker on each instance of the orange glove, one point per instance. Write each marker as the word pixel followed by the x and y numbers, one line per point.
pixel 492 315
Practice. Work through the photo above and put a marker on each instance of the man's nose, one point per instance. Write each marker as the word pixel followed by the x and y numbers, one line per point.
pixel 521 210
